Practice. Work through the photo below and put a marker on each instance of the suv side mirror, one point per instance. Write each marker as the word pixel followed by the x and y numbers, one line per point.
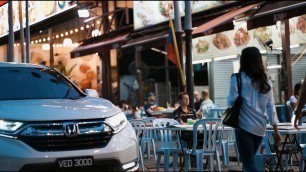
pixel 91 93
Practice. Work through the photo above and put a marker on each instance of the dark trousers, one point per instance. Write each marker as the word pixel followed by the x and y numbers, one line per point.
pixel 187 136
pixel 247 144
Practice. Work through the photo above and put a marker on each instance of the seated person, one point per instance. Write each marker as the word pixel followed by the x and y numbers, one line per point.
pixel 181 114
pixel 132 113
pixel 123 105
pixel 198 100
pixel 150 104
pixel 295 97
pixel 205 105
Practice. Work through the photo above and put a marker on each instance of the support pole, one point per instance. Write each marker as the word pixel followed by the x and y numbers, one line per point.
pixel 21 33
pixel 50 31
pixel 106 63
pixel 28 33
pixel 188 42
pixel 10 57
pixel 179 39
pixel 168 89
pixel 287 59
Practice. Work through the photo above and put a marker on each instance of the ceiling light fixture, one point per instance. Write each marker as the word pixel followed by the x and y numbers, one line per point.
pixel 83 13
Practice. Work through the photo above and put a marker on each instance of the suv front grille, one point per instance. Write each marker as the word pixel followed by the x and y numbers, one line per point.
pixel 56 137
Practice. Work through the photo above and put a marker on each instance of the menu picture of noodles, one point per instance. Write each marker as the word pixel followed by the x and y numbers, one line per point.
pixel 221 41
pixel 202 46
pixel 241 37
pixel 263 33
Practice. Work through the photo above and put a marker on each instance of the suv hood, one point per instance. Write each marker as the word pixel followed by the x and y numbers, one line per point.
pixel 57 109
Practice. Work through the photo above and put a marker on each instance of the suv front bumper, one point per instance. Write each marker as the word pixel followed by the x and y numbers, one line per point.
pixel 122 149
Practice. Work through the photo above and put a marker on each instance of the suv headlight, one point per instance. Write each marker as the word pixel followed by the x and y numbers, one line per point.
pixel 117 122
pixel 9 126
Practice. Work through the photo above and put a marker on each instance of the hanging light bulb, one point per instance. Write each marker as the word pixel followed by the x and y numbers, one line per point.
pixel 67 42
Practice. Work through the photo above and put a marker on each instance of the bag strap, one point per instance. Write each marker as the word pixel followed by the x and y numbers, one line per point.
pixel 238 77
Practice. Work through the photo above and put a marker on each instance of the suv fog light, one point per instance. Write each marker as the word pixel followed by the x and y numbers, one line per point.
pixel 131 166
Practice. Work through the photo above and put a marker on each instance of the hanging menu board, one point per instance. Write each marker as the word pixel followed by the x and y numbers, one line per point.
pixel 38 11
pixel 232 42
pixel 147 13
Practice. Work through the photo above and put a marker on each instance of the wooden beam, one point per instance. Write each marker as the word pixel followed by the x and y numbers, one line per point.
pixel 285 33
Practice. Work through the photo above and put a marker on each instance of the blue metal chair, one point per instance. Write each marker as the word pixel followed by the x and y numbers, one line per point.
pixel 139 128
pixel 209 127
pixel 166 143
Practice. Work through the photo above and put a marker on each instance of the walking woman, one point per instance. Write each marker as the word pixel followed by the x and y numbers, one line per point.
pixel 257 96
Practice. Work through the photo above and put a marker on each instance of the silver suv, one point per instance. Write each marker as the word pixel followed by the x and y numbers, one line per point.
pixel 47 123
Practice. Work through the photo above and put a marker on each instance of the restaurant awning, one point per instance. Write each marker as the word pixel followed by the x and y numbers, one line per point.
pixel 147 40
pixel 223 19
pixel 274 11
pixel 95 47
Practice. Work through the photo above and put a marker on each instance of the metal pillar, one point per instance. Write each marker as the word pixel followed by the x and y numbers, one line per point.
pixel 10 57
pixel 21 32
pixel 51 47
pixel 188 42
pixel 28 33
pixel 105 57
pixel 168 91
pixel 179 38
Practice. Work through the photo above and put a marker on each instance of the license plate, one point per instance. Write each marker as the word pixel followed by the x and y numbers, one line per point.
pixel 74 162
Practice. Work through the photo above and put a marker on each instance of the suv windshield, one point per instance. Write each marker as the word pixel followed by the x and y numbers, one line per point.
pixel 18 83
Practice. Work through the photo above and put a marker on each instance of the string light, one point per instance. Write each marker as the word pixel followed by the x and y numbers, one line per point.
pixel 72 31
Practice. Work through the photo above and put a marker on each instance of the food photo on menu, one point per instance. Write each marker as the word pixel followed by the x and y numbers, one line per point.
pixel 241 37
pixel 202 46
pixel 221 41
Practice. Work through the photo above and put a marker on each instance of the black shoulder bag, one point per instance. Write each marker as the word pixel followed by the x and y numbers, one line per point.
pixel 231 115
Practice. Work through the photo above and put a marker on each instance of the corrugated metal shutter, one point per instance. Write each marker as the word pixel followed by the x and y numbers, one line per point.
pixel 299 71
pixel 221 73
pixel 274 75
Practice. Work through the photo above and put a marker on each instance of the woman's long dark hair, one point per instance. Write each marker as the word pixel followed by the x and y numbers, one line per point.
pixel 251 63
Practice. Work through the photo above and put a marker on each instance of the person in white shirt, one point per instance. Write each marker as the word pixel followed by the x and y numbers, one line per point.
pixel 258 102
pixel 295 97
pixel 206 104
